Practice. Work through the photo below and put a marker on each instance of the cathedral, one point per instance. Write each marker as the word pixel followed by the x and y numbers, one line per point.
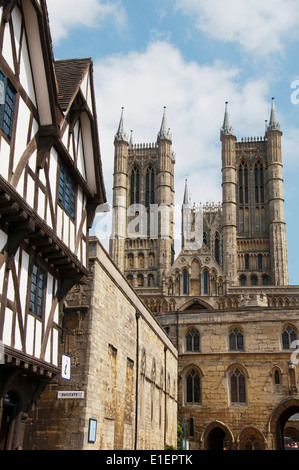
pixel 106 351
pixel 225 299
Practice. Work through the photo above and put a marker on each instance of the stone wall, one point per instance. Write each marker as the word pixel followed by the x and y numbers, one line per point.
pixel 110 344
pixel 270 399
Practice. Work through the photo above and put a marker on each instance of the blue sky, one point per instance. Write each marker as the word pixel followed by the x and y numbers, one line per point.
pixel 190 56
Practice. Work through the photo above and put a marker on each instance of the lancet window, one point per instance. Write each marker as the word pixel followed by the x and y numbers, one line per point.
pixel 243 183
pixel 192 340
pixel 134 186
pixel 238 387
pixel 149 187
pixel 193 387
pixel 259 183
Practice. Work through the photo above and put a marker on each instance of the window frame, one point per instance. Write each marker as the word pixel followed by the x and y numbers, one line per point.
pixel 236 333
pixel 134 186
pixel 149 187
pixel 191 375
pixel 7 109
pixel 238 392
pixel 190 344
pixel 67 184
pixel 243 183
pixel 36 292
pixel 291 336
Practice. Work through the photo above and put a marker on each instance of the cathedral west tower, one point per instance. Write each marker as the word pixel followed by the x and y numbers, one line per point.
pixel 143 201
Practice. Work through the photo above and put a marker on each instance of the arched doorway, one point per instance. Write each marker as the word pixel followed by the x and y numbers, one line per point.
pixel 279 418
pixel 217 437
pixel 8 419
pixel 196 304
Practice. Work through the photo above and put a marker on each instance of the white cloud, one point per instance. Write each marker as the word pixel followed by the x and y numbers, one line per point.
pixel 195 98
pixel 260 27
pixel 69 14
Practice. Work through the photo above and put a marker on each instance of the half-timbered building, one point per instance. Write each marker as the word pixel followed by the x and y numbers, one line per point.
pixel 50 186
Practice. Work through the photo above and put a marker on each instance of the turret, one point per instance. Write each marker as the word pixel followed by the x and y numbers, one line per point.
pixel 277 227
pixel 165 191
pixel 117 239
pixel 186 217
pixel 229 183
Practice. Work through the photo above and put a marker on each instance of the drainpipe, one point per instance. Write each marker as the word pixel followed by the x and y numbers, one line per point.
pixel 177 329
pixel 165 393
pixel 137 379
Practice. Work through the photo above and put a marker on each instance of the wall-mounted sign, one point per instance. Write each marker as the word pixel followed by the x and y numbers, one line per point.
pixel 92 431
pixel 65 367
pixel 66 395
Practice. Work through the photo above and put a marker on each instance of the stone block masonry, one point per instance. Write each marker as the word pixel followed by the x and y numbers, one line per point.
pixel 123 362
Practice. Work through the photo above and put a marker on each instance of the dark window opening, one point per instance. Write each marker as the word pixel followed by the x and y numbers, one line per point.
pixel 67 191
pixel 7 105
pixel 37 285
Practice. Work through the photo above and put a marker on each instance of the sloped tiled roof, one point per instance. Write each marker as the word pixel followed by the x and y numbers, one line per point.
pixel 70 74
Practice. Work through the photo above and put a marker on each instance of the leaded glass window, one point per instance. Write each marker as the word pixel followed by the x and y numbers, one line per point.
pixel 288 336
pixel 238 391
pixel 192 340
pixel 7 105
pixel 134 186
pixel 236 340
pixel 193 387
pixel 67 190
pixel 37 285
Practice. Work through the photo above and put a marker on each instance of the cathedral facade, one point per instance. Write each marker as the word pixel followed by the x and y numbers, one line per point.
pixel 225 300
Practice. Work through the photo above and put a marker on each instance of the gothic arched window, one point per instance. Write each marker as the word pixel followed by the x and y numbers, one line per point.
pixel 140 280
pixel 252 443
pixel 151 260
pixel 192 340
pixel 206 282
pixel 243 183
pixel 134 186
pixel 259 183
pixel 277 377
pixel 150 280
pixel 130 260
pixel 149 187
pixel 217 248
pixel 206 239
pixel 185 283
pixel 288 336
pixel 246 261
pixel 236 341
pixel 237 387
pixel 193 387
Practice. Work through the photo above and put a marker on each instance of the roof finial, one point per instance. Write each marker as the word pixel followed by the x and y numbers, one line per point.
pixel 186 193
pixel 121 135
pixel 273 123
pixel 226 128
pixel 164 131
